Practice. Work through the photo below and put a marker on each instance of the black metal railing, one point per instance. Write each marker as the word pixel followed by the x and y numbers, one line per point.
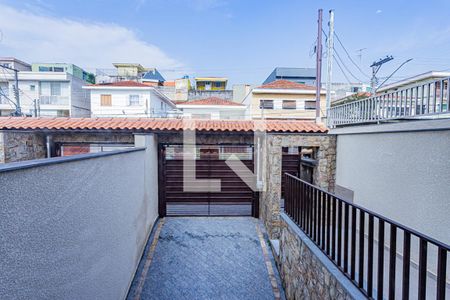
pixel 352 237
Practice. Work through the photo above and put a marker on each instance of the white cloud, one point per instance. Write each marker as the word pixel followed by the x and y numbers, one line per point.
pixel 35 37
pixel 379 11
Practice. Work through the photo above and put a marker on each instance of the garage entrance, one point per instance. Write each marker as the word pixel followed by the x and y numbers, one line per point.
pixel 235 198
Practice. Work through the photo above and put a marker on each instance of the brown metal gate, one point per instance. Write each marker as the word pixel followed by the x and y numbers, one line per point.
pixel 235 198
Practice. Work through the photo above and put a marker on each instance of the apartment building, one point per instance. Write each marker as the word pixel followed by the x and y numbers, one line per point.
pixel 53 92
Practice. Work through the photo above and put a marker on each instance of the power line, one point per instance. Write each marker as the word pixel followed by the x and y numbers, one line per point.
pixel 340 68
pixel 349 57
pixel 345 66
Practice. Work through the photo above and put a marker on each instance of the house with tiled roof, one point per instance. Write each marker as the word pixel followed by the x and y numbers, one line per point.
pixel 213 108
pixel 284 99
pixel 128 99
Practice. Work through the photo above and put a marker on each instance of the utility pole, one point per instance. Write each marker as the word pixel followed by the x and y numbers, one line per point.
pixel 375 68
pixel 318 65
pixel 18 111
pixel 330 54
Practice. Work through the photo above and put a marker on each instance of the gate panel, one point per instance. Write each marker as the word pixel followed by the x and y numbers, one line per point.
pixel 234 198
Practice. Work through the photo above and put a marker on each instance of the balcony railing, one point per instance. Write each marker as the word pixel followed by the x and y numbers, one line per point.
pixel 54 100
pixel 346 233
pixel 428 99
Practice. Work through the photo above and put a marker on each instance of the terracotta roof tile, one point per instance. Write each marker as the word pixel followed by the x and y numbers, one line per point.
pixel 211 101
pixel 126 83
pixel 286 84
pixel 146 124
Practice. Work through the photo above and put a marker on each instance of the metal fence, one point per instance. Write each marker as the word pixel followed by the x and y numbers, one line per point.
pixel 362 243
pixel 427 99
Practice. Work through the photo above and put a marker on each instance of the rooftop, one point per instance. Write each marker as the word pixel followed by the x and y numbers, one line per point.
pixel 295 72
pixel 211 101
pixel 286 84
pixel 414 79
pixel 211 79
pixel 127 83
pixel 150 125
pixel 153 75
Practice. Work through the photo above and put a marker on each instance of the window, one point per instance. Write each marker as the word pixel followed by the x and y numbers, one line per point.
pixel 309 105
pixel 58 69
pixel 55 88
pixel 217 84
pixel 266 104
pixel 134 100
pixel 32 87
pixel 44 69
pixel 289 104
pixel 162 106
pixel 105 100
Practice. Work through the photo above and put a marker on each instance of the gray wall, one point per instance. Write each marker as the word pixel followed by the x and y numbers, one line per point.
pixel 401 175
pixel 75 228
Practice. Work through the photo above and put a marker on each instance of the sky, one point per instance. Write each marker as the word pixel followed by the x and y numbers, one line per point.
pixel 243 40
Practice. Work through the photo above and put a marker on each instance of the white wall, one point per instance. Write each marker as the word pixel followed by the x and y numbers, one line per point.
pixel 120 103
pixel 78 228
pixel 149 103
pixel 401 175
pixel 80 99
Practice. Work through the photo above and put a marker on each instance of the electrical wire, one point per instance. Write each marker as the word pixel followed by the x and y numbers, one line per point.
pixel 339 65
pixel 345 66
pixel 348 55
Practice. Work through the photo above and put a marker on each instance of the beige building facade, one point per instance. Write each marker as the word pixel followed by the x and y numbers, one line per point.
pixel 283 99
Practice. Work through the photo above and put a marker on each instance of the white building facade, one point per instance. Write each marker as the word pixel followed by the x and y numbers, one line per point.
pixel 128 99
pixel 212 108
pixel 56 94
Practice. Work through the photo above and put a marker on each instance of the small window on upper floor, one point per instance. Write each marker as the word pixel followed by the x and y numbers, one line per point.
pixel 218 84
pixel 133 100
pixel 58 69
pixel 309 105
pixel 289 104
pixel 32 87
pixel 266 104
pixel 162 106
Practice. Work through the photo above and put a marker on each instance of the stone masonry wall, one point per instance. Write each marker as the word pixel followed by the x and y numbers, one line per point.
pixel 324 172
pixel 306 272
pixel 78 137
pixel 19 146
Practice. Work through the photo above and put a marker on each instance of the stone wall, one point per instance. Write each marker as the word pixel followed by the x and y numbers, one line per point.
pixel 19 146
pixel 324 172
pixel 306 272
pixel 80 137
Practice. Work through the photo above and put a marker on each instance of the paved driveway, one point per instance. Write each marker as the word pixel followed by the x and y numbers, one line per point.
pixel 206 258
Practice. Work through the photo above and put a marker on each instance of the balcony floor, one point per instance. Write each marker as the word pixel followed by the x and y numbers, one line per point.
pixel 207 258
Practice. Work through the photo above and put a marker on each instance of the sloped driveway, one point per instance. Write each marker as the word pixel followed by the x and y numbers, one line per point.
pixel 206 258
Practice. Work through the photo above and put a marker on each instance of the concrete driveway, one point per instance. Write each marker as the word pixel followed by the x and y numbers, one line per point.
pixel 207 258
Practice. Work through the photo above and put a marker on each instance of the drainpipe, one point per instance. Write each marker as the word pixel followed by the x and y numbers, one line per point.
pixel 49 145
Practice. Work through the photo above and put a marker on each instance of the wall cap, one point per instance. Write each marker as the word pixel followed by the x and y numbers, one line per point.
pixel 406 126
pixel 59 160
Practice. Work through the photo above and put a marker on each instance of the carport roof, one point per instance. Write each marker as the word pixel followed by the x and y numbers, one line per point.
pixel 152 125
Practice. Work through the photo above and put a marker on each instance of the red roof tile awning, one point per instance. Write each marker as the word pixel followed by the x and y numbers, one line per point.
pixel 153 125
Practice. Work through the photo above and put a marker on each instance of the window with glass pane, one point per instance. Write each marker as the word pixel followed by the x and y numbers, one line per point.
pixel 309 105
pixel 289 104
pixel 266 104
pixel 134 100
pixel 55 88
